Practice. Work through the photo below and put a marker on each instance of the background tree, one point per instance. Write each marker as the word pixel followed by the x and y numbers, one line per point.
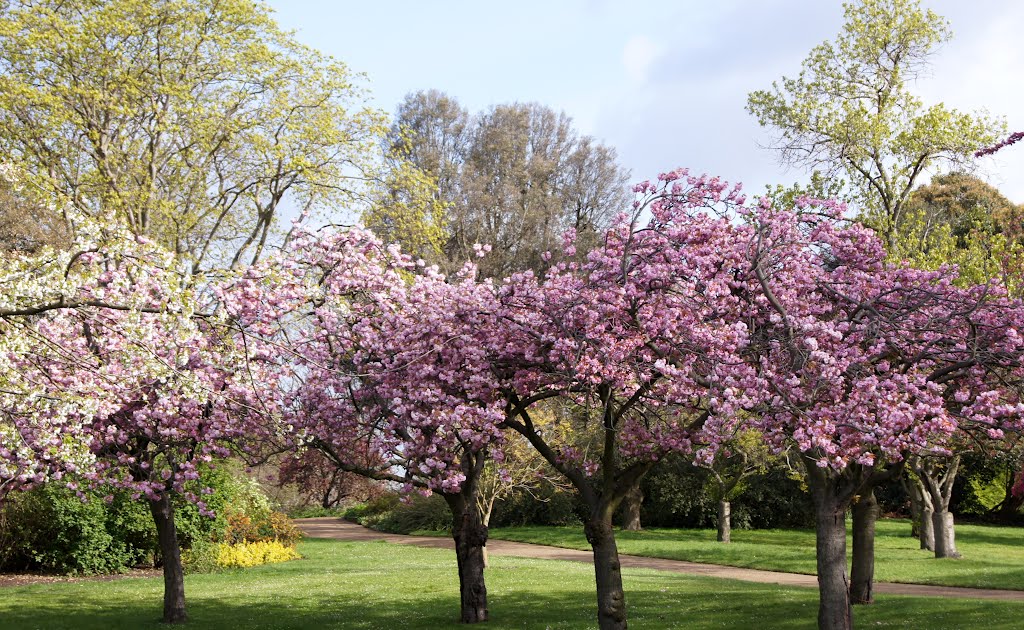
pixel 514 177
pixel 26 223
pixel 959 219
pixel 321 482
pixel 851 112
pixel 192 122
pixel 738 459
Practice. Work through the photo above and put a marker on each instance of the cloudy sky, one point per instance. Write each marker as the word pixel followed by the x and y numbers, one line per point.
pixel 665 83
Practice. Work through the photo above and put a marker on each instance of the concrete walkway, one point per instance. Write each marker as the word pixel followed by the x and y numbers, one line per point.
pixel 339 529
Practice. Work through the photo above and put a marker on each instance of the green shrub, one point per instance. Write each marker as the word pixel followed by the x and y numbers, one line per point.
pixel 546 505
pixel 201 557
pixel 375 507
pixel 51 529
pixel 415 512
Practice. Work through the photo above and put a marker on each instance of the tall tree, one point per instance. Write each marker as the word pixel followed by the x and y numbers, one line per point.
pixel 959 219
pixel 27 224
pixel 851 112
pixel 191 121
pixel 514 177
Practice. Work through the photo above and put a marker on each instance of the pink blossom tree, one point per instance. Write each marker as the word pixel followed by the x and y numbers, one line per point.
pixel 39 431
pixel 641 343
pixel 864 364
pixel 386 370
pixel 126 377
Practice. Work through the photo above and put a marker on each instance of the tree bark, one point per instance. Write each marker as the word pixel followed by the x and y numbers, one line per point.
pixel 927 533
pixel 913 491
pixel 174 574
pixel 470 535
pixel 611 599
pixel 832 494
pixel 862 575
pixel 833 585
pixel 631 509
pixel 724 521
pixel 945 535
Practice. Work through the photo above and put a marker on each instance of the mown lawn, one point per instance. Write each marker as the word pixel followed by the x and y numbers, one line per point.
pixel 393 587
pixel 993 557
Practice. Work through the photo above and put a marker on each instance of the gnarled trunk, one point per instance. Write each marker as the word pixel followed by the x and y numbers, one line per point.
pixel 631 509
pixel 470 535
pixel 724 521
pixel 862 574
pixel 945 535
pixel 611 599
pixel 937 478
pixel 174 574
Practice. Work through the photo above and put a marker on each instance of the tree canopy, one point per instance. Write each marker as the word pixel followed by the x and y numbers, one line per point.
pixel 514 177
pixel 851 110
pixel 192 122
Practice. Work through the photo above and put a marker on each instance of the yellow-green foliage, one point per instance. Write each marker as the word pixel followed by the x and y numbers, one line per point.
pixel 251 554
pixel 190 121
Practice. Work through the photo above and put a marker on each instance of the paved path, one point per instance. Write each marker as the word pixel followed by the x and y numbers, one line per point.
pixel 330 527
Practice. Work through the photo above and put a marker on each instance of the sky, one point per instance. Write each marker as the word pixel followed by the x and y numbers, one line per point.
pixel 664 83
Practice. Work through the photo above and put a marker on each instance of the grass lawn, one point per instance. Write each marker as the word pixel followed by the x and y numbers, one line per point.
pixel 993 556
pixel 395 587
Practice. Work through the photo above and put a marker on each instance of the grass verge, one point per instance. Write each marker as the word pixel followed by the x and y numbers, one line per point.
pixel 383 586
pixel 993 557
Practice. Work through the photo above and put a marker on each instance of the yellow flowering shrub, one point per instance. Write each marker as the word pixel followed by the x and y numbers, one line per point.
pixel 251 554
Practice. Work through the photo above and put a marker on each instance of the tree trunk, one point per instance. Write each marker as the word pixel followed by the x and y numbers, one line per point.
pixel 470 536
pixel 487 525
pixel 724 521
pixel 830 505
pixel 945 535
pixel 174 574
pixel 914 494
pixel 862 575
pixel 611 599
pixel 937 478
pixel 631 509
pixel 927 526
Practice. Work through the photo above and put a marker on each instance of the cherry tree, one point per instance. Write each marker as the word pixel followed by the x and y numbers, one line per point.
pixel 122 374
pixel 865 364
pixel 40 432
pixel 384 364
pixel 641 343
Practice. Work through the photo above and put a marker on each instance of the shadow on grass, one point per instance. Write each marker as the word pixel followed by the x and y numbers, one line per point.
pixel 655 602
pixel 648 609
pixel 397 587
